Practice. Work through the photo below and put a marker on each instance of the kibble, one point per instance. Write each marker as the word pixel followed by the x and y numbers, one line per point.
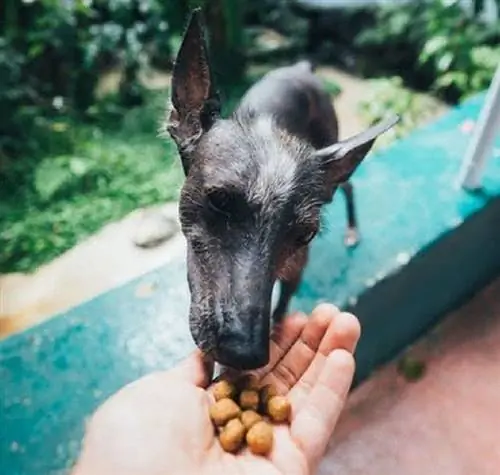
pixel 224 390
pixel 223 411
pixel 249 399
pixel 232 436
pixel 260 438
pixel 278 408
pixel 243 412
pixel 249 418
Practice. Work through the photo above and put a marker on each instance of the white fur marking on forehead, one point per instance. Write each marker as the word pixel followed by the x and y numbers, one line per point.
pixel 276 174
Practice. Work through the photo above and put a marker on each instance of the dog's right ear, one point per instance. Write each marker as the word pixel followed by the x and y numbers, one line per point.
pixel 195 104
pixel 340 160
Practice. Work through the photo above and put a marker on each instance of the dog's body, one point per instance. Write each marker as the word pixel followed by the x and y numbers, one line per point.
pixel 255 185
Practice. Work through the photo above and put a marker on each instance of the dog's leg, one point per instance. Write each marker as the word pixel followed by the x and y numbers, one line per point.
pixel 351 238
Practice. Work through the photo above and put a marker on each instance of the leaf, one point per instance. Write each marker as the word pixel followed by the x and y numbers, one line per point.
pixel 35 50
pixel 432 46
pixel 79 166
pixel 455 78
pixel 486 57
pixel 55 174
pixel 445 61
pixel 50 176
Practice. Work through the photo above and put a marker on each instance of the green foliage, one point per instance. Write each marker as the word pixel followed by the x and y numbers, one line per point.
pixel 55 175
pixel 65 198
pixel 389 96
pixel 454 48
pixel 331 86
pixel 437 38
pixel 22 127
pixel 52 54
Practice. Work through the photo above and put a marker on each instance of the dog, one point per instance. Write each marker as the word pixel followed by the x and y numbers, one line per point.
pixel 251 201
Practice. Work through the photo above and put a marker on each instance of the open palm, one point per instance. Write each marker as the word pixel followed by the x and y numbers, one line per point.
pixel 160 425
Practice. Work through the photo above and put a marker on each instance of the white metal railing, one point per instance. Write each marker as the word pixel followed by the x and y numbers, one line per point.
pixel 481 145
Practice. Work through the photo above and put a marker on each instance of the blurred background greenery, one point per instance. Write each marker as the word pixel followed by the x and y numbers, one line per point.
pixel 73 159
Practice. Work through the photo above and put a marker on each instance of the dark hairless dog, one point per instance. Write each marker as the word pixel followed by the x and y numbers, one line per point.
pixel 251 202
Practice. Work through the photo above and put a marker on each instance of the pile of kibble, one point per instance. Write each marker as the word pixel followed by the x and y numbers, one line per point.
pixel 243 412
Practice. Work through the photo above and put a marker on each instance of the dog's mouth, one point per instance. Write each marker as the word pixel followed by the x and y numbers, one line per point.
pixel 236 339
pixel 241 343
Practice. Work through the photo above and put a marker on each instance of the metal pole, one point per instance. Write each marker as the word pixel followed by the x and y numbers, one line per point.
pixel 481 144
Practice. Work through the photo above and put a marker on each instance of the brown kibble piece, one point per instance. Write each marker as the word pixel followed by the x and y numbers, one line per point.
pixel 249 418
pixel 267 392
pixel 278 408
pixel 249 399
pixel 223 411
pixel 224 390
pixel 260 438
pixel 232 435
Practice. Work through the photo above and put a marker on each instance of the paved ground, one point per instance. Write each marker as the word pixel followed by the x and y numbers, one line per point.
pixel 446 423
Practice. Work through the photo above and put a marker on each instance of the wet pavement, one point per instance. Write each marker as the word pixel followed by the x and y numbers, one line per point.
pixel 447 422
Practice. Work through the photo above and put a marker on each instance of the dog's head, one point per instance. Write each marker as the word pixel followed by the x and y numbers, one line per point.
pixel 250 202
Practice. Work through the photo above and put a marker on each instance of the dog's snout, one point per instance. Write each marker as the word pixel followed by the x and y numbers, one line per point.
pixel 243 342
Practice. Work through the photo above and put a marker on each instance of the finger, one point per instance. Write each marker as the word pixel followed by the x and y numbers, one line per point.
pixel 343 333
pixel 196 369
pixel 313 425
pixel 292 366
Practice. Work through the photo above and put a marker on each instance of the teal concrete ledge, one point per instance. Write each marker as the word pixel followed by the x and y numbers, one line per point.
pixel 426 247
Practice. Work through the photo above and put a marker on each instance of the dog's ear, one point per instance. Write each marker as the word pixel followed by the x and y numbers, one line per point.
pixel 195 104
pixel 341 159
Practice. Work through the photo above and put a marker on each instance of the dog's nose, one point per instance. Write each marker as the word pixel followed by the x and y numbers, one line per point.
pixel 241 357
pixel 243 343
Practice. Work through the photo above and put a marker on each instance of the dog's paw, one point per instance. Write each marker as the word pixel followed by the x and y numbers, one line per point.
pixel 351 238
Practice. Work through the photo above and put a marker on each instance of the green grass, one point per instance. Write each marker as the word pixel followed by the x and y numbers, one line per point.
pixel 48 204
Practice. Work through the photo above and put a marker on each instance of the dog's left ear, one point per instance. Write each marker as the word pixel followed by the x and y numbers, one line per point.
pixel 195 104
pixel 341 159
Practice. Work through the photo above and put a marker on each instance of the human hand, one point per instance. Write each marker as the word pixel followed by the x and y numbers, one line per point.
pixel 160 423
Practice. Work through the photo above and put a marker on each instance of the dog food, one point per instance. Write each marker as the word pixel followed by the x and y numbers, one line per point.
pixel 260 438
pixel 249 399
pixel 278 408
pixel 223 411
pixel 224 390
pixel 232 435
pixel 249 418
pixel 240 414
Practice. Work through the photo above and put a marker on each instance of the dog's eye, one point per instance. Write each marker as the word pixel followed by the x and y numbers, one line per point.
pixel 305 237
pixel 219 201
